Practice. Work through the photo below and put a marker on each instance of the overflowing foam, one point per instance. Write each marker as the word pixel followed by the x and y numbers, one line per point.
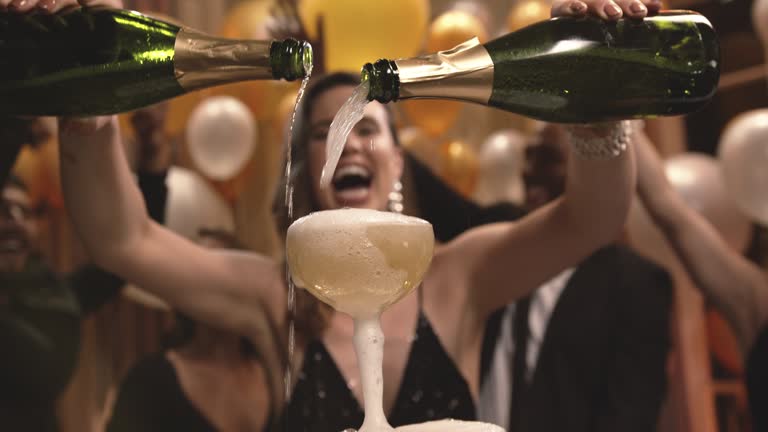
pixel 369 347
pixel 359 261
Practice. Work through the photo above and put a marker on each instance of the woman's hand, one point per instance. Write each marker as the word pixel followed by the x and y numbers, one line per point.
pixel 608 10
pixel 608 139
pixel 53 6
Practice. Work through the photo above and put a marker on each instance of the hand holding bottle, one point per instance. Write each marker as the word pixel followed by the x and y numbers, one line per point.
pixel 53 6
pixel 602 140
pixel 608 10
pixel 86 61
pixel 595 61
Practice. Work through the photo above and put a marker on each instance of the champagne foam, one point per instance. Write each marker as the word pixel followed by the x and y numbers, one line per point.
pixel 358 260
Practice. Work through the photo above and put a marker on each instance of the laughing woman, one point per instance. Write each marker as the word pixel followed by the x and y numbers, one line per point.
pixel 432 355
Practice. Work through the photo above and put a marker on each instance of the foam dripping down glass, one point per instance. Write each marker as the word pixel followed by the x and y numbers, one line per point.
pixel 360 262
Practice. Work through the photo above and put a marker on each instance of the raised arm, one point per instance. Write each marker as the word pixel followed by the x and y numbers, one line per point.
pixel 503 262
pixel 239 292
pixel 93 286
pixel 733 284
pixel 109 214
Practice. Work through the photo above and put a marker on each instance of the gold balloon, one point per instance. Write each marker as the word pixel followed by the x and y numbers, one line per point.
pixel 526 13
pixel 248 20
pixel 453 28
pixel 261 97
pixel 309 13
pixel 432 116
pixel 448 30
pixel 459 166
pixel 356 32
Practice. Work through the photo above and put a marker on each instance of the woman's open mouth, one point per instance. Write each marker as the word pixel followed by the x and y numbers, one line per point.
pixel 352 184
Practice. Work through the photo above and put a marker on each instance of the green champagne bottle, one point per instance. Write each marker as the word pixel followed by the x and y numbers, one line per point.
pixel 569 70
pixel 104 61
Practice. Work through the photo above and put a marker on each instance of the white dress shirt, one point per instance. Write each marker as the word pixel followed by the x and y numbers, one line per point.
pixel 496 391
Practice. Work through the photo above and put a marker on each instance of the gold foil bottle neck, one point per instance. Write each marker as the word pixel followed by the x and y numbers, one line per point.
pixel 203 60
pixel 464 72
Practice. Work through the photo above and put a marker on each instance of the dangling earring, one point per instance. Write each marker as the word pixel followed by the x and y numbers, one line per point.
pixel 395 204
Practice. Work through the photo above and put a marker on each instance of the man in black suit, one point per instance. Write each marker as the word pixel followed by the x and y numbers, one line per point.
pixel 587 351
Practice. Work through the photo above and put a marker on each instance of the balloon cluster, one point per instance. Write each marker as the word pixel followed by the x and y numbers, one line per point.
pixel 221 125
pixel 699 179
pixel 743 152
pixel 354 32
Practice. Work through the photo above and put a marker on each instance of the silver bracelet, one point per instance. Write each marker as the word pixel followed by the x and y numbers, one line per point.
pixel 600 141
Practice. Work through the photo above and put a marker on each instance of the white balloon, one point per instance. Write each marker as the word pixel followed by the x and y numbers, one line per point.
pixel 221 135
pixel 743 152
pixel 699 179
pixel 501 162
pixel 193 204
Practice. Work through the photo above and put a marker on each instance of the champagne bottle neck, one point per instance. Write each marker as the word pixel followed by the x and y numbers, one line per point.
pixel 202 60
pixel 384 80
pixel 464 73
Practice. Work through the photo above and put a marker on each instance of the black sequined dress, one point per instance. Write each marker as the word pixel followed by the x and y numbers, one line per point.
pixel 432 388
